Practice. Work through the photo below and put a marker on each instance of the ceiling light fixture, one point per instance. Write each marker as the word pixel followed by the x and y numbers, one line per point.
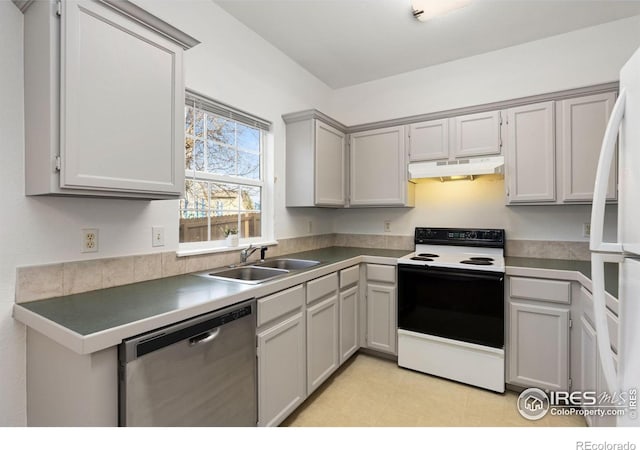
pixel 424 10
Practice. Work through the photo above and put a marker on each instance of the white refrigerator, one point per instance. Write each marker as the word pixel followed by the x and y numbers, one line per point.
pixel 624 127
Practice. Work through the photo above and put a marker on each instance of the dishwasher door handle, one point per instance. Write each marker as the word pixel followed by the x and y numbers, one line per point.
pixel 205 337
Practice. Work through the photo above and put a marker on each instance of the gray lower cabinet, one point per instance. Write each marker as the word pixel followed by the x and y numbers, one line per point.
pixel 282 355
pixel 538 333
pixel 323 330
pixel 591 377
pixel 381 308
pixel 322 342
pixel 349 312
pixel 348 323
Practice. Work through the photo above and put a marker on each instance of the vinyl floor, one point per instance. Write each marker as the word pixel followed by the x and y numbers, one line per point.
pixel 372 392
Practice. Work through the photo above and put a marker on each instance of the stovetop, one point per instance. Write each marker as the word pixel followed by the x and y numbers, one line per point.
pixel 471 249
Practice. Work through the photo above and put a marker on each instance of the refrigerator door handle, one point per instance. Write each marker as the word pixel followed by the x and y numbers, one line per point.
pixel 607 154
pixel 600 319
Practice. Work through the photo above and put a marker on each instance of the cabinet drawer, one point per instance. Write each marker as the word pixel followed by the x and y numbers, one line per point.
pixel 321 287
pixel 536 289
pixel 349 276
pixel 612 319
pixel 377 272
pixel 279 304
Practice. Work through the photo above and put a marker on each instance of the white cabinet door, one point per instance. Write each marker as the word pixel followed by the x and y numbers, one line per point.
pixel 381 318
pixel 329 168
pixel 322 342
pixel 582 122
pixel 348 322
pixel 476 134
pixel 378 173
pixel 429 140
pixel 281 370
pixel 538 349
pixel 122 103
pixel 530 155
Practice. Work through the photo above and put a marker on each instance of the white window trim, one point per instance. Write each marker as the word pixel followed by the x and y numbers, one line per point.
pixel 267 209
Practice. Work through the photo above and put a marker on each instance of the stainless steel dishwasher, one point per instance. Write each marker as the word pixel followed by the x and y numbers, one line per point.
pixel 200 372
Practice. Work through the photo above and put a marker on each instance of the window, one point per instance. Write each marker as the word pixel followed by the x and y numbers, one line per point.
pixel 224 174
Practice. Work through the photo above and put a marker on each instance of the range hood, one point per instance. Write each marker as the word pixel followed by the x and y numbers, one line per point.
pixel 458 169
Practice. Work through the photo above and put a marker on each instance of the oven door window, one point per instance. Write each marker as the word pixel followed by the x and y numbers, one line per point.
pixel 464 305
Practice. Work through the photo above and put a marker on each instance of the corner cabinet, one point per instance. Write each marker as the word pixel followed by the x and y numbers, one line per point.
pixel 378 170
pixel 316 160
pixel 104 101
pixel 323 170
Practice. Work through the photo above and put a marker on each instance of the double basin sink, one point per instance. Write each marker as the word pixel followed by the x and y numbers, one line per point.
pixel 261 272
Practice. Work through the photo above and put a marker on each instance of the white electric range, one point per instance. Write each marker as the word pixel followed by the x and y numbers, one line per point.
pixel 451 305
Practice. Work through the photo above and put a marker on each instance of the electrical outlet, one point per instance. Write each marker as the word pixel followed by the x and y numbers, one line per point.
pixel 586 229
pixel 387 226
pixel 310 227
pixel 89 240
pixel 157 236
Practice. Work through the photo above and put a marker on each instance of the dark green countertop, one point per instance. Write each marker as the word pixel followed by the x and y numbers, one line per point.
pixel 584 267
pixel 92 314
pixel 96 311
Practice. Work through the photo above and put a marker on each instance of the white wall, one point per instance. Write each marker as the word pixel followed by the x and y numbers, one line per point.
pixel 580 58
pixel 236 66
pixel 232 64
pixel 478 203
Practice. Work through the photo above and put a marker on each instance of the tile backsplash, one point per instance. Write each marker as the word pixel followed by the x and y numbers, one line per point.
pixel 54 280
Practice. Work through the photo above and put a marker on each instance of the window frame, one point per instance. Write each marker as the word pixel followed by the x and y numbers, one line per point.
pixel 265 183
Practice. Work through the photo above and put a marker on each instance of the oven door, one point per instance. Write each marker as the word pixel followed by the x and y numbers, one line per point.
pixel 464 305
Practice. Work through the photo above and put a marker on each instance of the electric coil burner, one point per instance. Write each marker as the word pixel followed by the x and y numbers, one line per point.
pixel 451 305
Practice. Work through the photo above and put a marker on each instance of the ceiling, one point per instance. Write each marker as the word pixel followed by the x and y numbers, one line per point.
pixel 346 42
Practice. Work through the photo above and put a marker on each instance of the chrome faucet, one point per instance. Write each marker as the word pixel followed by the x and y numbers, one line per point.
pixel 246 252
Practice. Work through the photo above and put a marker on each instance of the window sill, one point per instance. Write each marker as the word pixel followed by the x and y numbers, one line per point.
pixel 210 250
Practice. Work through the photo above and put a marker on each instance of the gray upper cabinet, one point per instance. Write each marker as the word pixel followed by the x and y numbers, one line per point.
pixel 92 126
pixel 330 189
pixel 377 168
pixel 581 123
pixel 316 160
pixel 429 140
pixel 530 154
pixel 553 150
pixel 476 134
pixel 465 136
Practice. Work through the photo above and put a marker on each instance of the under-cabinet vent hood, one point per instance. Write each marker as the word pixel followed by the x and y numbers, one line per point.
pixel 458 169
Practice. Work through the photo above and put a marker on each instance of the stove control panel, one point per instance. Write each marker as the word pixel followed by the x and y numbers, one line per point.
pixel 460 236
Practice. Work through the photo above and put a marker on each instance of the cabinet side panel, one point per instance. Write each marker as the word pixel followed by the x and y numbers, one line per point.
pixel 41 81
pixel 68 389
pixel 299 164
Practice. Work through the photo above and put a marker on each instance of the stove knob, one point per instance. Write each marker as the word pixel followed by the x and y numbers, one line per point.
pixel 471 235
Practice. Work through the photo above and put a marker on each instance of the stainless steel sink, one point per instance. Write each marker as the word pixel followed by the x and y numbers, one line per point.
pixel 246 274
pixel 289 264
